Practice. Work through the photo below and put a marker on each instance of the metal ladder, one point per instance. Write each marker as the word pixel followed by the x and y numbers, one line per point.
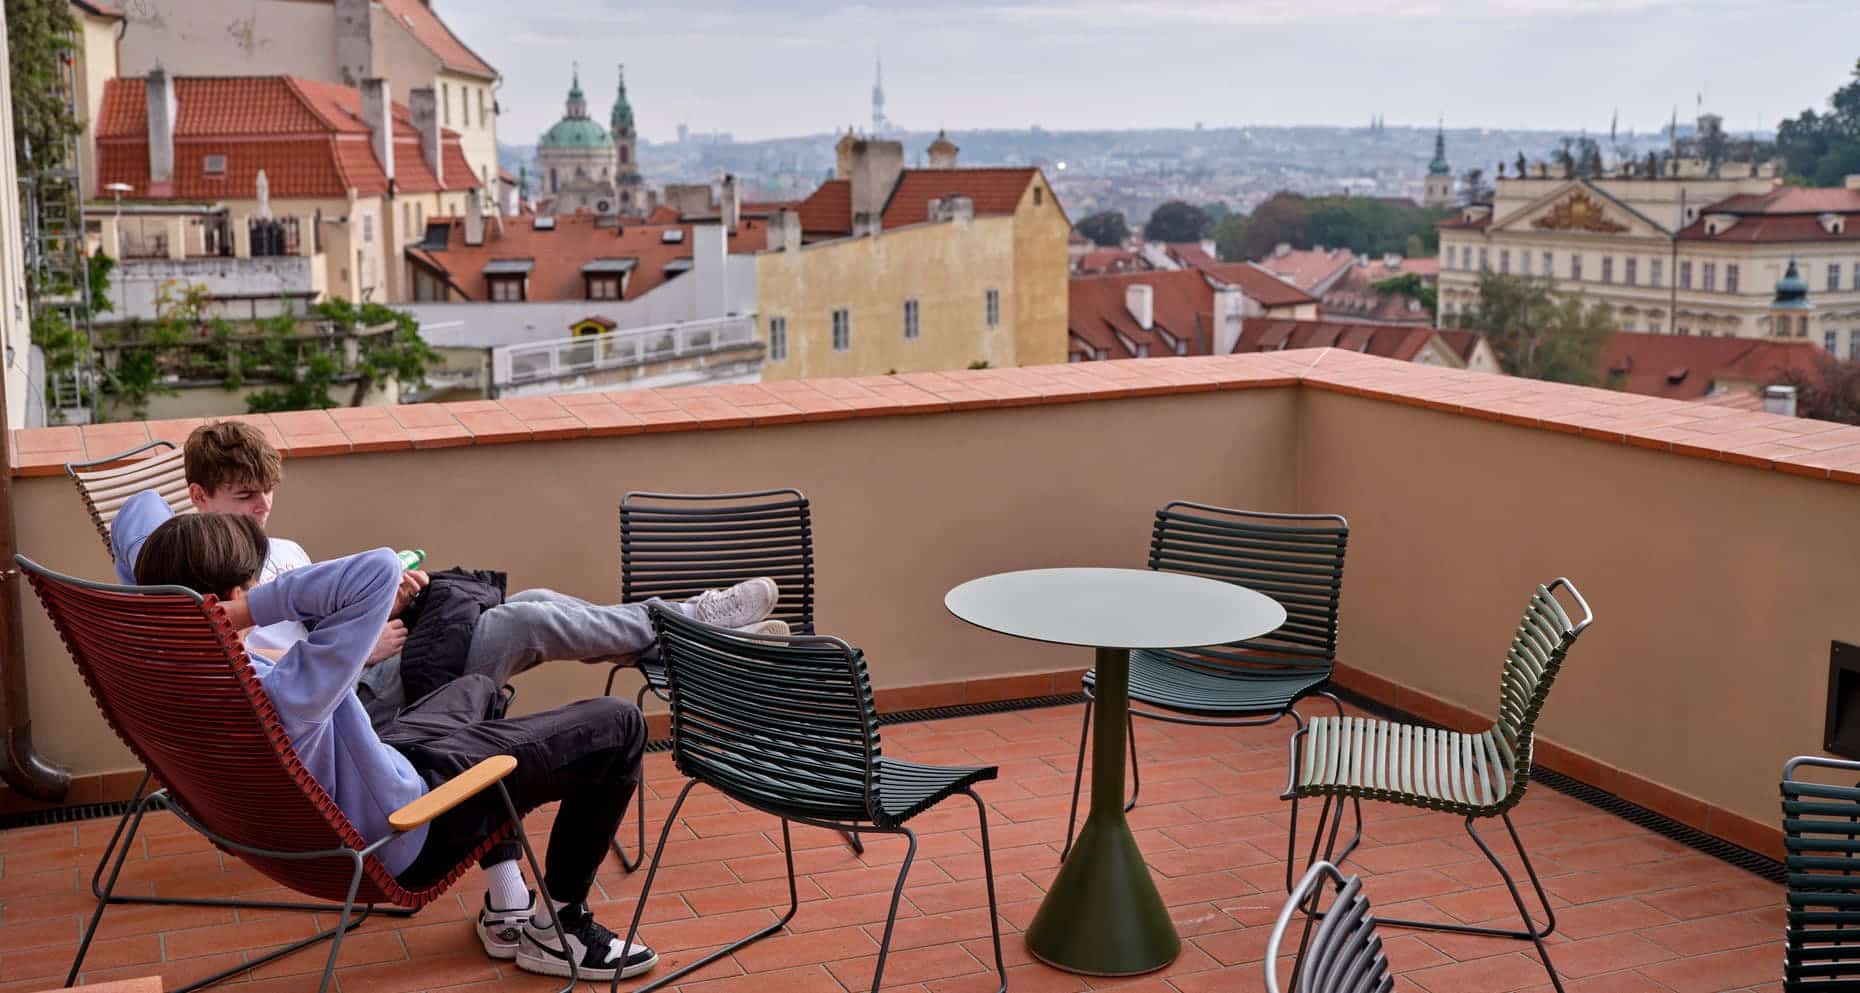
pixel 57 271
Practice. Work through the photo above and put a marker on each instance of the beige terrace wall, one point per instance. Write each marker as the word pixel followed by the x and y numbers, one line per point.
pixel 1716 587
pixel 905 507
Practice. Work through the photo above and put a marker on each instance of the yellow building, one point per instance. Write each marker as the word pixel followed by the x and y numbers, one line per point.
pixel 886 269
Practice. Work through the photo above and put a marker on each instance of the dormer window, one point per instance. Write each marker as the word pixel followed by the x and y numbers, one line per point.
pixel 606 278
pixel 1718 223
pixel 507 280
pixel 214 165
pixel 1833 223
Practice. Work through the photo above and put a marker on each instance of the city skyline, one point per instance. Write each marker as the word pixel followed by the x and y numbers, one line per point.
pixel 779 69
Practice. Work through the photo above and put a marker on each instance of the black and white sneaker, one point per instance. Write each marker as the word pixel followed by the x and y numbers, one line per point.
pixel 596 950
pixel 500 929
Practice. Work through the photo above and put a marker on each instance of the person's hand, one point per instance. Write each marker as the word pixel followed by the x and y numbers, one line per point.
pixel 411 583
pixel 393 636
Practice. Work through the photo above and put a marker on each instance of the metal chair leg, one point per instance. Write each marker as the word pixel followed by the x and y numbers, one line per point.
pixel 897 894
pixel 988 873
pixel 631 864
pixel 1536 936
pixel 536 871
pixel 645 891
pixel 1078 778
pixel 1136 774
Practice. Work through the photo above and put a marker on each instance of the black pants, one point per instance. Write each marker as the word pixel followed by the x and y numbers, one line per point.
pixel 586 755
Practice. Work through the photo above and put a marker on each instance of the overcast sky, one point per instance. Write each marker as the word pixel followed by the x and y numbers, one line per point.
pixel 768 68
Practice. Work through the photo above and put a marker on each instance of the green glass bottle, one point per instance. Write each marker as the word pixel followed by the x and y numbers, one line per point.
pixel 411 559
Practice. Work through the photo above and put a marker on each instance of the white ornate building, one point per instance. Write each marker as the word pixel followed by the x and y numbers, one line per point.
pixel 1674 253
pixel 588 168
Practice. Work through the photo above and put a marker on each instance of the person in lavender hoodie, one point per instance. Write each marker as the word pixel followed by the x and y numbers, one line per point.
pixel 585 755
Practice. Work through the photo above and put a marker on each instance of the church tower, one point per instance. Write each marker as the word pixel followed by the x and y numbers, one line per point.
pixel 1439 189
pixel 879 124
pixel 1790 308
pixel 627 182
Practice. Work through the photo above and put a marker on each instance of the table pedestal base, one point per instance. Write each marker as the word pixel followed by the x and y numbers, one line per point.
pixel 1102 916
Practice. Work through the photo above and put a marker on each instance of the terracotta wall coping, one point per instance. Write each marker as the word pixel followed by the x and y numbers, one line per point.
pixel 1798 446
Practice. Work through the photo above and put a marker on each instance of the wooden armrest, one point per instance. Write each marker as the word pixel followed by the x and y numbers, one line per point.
pixel 453 792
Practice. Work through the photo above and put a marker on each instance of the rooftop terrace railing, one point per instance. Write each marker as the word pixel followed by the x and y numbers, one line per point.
pixel 1716 545
pixel 515 365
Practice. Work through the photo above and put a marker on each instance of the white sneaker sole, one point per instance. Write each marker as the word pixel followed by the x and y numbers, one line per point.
pixel 549 965
pixel 492 946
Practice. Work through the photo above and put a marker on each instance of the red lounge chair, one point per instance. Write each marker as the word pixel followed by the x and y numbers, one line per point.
pixel 172 678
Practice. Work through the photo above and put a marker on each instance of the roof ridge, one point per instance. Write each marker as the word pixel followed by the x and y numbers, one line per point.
pixel 298 90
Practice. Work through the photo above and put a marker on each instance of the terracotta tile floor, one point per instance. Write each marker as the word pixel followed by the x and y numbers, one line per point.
pixel 1635 912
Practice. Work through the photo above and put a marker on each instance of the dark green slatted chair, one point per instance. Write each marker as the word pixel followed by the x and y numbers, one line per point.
pixel 1472 775
pixel 1345 954
pixel 677 545
pixel 1297 559
pixel 1821 838
pixel 787 726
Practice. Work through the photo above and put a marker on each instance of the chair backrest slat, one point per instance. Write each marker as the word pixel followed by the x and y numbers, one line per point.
pixel 786 724
pixel 1341 953
pixel 174 683
pixel 123 475
pixel 1542 642
pixel 1821 951
pixel 677 545
pixel 1297 559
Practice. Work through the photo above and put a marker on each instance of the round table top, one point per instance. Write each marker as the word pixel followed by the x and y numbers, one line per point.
pixel 1115 608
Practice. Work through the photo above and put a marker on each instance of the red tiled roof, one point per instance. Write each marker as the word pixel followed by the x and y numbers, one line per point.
pixel 1182 304
pixel 504 176
pixel 1790 200
pixel 1682 367
pixel 1259 284
pixel 1460 221
pixel 1352 295
pixel 1190 253
pixel 1267 334
pixel 306 135
pixel 993 191
pixel 664 213
pixel 827 210
pixel 1464 343
pixel 418 18
pixel 1774 227
pixel 1308 268
pixel 559 254
pixel 1099 261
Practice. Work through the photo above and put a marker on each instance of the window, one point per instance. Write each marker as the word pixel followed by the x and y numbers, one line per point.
pixel 1575 266
pixel 1857 275
pixel 842 330
pixel 1037 197
pixel 1685 275
pixel 483 116
pixel 1608 268
pixel 1504 260
pixel 445 103
pixel 1633 272
pixel 1524 259
pixel 1730 277
pixel 419 215
pixel 1549 266
pixel 1656 272
pixel 1853 344
pixel 368 227
pixel 215 165
pixel 603 287
pixel 1801 326
pixel 506 290
pixel 1484 264
pixel 991 308
pixel 912 327
pixel 1683 330
pixel 1709 277
pixel 406 216
pixel 1834 276
pixel 778 339
pixel 1827 341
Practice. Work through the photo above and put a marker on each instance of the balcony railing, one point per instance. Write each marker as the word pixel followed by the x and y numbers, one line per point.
pixel 513 365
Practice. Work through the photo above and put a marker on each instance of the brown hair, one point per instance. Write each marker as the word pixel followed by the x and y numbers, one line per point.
pixel 231 453
pixel 207 553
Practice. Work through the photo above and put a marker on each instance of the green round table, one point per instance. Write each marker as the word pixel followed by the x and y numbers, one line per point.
pixel 1102 915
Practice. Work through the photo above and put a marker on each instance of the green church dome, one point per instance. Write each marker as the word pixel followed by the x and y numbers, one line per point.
pixel 575 132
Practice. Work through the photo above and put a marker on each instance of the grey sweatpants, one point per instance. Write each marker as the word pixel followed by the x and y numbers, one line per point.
pixel 527 629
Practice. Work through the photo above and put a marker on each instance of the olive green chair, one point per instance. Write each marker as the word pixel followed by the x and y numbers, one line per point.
pixel 1474 776
pixel 1821 841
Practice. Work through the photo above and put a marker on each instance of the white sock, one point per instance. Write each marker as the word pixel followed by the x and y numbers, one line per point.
pixel 541 916
pixel 505 887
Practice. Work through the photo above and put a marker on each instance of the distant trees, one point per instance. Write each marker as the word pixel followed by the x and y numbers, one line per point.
pixel 1538 333
pixel 1230 238
pixel 1828 392
pixel 1820 149
pixel 1177 221
pixel 1107 229
pixel 1365 225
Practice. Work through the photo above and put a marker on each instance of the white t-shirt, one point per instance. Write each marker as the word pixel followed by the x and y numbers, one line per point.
pixel 284 556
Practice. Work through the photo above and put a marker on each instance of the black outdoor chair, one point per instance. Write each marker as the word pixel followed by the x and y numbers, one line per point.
pixel 1345 954
pixel 676 545
pixel 1474 776
pixel 1821 840
pixel 1297 559
pixel 787 726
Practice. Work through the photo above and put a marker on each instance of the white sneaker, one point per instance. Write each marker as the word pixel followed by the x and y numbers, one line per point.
pixel 739 606
pixel 777 629
pixel 596 951
pixel 499 930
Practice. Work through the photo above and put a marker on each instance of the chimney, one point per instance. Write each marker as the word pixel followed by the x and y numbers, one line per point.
pixel 474 219
pixel 423 105
pixel 162 113
pixel 690 199
pixel 709 261
pixel 1140 300
pixel 785 231
pixel 943 152
pixel 843 155
pixel 1229 307
pixel 876 166
pixel 354 42
pixel 378 114
pixel 730 208
pixel 1779 400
